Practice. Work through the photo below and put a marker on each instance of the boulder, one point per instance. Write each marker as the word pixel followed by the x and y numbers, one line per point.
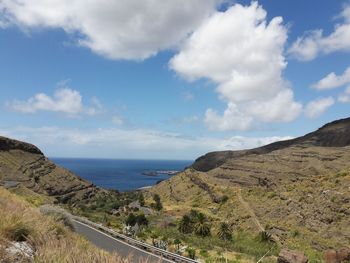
pixel 337 256
pixel 291 256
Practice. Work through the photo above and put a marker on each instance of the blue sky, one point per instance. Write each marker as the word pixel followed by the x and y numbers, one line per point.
pixel 131 79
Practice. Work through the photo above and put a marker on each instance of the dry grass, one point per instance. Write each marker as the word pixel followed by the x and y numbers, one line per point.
pixel 51 240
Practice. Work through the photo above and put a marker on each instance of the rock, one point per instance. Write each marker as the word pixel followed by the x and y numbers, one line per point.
pixel 337 256
pixel 20 252
pixel 291 256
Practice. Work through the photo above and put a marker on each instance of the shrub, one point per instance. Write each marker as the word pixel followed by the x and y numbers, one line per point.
pixel 157 205
pixel 131 220
pixel 141 199
pixel 224 199
pixel 191 253
pixel 142 220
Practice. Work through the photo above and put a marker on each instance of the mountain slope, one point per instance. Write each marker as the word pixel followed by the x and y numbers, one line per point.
pixel 334 134
pixel 298 190
pixel 25 164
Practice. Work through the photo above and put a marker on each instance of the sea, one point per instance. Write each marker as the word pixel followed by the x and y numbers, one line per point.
pixel 121 175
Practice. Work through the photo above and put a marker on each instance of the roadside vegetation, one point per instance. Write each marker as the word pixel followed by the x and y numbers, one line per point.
pixel 46 235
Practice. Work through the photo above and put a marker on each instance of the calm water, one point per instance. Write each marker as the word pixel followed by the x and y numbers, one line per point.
pixel 122 175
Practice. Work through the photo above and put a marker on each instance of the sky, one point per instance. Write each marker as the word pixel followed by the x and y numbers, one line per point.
pixel 170 79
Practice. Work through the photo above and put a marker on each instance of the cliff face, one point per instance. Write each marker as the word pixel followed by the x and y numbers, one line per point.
pixel 25 164
pixel 334 134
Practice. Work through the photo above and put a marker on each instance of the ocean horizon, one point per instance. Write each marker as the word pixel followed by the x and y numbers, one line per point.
pixel 121 174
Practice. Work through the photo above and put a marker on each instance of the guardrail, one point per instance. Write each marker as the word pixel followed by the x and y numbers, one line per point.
pixel 137 243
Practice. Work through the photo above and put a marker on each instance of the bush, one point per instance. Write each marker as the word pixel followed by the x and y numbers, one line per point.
pixel 191 253
pixel 142 220
pixel 224 199
pixel 131 220
pixel 157 205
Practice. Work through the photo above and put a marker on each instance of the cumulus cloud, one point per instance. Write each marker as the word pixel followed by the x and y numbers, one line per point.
pixel 317 107
pixel 64 100
pixel 118 143
pixel 314 42
pixel 241 52
pixel 123 29
pixel 332 80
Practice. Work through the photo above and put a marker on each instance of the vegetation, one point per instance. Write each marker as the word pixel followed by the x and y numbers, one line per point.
pixel 157 203
pixel 185 225
pixel 201 225
pixel 50 239
pixel 140 219
pixel 141 199
pixel 225 231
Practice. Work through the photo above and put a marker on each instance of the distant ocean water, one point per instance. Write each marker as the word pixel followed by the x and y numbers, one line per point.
pixel 122 175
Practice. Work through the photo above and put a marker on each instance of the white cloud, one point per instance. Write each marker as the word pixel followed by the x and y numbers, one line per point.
pixel 243 54
pixel 317 107
pixel 123 29
pixel 232 119
pixel 332 81
pixel 64 100
pixel 345 96
pixel 314 43
pixel 120 143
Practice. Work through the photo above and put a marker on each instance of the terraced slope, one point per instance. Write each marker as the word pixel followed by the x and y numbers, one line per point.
pixel 25 164
pixel 298 190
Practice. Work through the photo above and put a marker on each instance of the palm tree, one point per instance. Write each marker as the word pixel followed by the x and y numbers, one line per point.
pixel 266 237
pixel 202 227
pixel 225 231
pixel 185 225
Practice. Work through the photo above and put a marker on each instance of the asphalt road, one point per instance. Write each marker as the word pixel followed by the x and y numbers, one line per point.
pixel 112 244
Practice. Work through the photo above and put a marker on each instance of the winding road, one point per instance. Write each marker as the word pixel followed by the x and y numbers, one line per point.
pixel 111 244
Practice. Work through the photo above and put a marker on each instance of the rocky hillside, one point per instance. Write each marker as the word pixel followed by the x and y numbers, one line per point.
pixel 23 164
pixel 297 190
pixel 334 134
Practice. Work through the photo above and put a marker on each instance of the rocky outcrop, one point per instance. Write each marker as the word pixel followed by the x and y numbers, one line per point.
pixel 7 144
pixel 291 256
pixel 201 184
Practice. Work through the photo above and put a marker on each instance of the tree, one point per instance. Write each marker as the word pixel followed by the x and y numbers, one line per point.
pixel 266 237
pixel 141 199
pixel 131 220
pixel 142 220
pixel 225 231
pixel 202 227
pixel 158 205
pixel 185 225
